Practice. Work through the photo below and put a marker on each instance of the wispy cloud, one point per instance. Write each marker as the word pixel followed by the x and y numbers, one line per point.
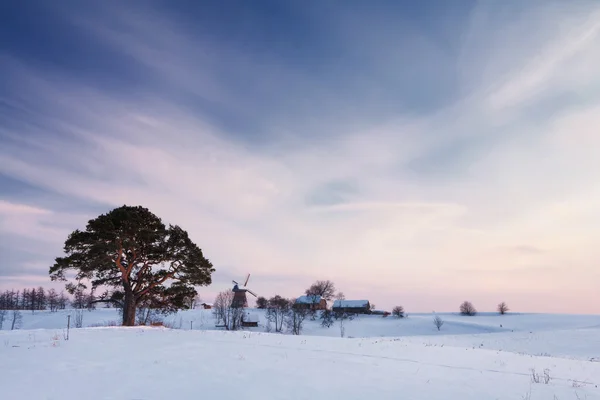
pixel 292 173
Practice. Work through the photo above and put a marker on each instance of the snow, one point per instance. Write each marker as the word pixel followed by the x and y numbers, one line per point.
pixel 472 358
pixel 350 303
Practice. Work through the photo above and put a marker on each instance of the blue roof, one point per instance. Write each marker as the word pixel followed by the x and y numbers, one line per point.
pixel 308 300
pixel 350 303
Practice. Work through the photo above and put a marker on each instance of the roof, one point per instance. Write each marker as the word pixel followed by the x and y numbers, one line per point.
pixel 308 300
pixel 350 303
pixel 250 317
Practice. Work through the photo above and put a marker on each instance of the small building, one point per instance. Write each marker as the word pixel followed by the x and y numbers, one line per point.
pixel 249 320
pixel 352 306
pixel 311 303
pixel 207 306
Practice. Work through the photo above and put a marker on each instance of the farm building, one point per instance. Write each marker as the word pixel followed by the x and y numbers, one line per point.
pixel 352 306
pixel 249 319
pixel 311 303
pixel 206 306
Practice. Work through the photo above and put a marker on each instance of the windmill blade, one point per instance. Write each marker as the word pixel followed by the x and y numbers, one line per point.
pixel 251 292
pixel 247 279
pixel 234 282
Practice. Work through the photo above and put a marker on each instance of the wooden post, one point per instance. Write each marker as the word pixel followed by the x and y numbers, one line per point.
pixel 68 325
pixel 191 323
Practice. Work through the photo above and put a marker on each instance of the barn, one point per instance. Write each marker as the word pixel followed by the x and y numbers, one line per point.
pixel 311 303
pixel 352 306
pixel 249 320
pixel 207 306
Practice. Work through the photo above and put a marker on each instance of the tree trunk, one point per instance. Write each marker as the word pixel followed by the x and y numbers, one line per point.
pixel 129 306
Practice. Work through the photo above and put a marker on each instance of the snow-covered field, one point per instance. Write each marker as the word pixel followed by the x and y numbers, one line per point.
pixel 482 357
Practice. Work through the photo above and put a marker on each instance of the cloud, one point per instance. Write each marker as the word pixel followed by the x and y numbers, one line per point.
pixel 7 208
pixel 292 176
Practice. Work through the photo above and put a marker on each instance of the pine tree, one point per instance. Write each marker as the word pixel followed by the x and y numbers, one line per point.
pixel 130 250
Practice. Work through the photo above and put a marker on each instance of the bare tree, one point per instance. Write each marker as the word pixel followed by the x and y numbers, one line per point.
pixel 295 319
pixel 52 298
pixel 326 318
pixel 438 322
pixel 340 296
pixel 2 316
pixel 502 308
pixel 17 320
pixel 230 317
pixel 277 309
pixel 78 318
pixel 62 301
pixel 325 289
pixel 191 302
pixel 467 308
pixel 398 311
pixel 342 321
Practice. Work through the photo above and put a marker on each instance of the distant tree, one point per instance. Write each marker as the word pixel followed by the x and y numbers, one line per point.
pixel 20 301
pixel 262 302
pixel 325 289
pixel 62 301
pixel 277 309
pixel 41 299
pixel 295 318
pixel 90 301
pixel 193 301
pixel 342 321
pixel 32 300
pixel 25 300
pixel 438 322
pixel 326 318
pixel 131 250
pixel 398 311
pixel 78 318
pixel 79 298
pixel 466 308
pixel 17 320
pixel 340 296
pixel 2 316
pixel 52 299
pixel 503 308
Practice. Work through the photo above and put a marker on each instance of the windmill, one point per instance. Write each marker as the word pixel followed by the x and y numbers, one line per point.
pixel 239 294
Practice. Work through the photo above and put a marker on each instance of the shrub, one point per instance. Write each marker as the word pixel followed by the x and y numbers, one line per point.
pixel 467 308
pixel 502 308
pixel 438 322
pixel 398 312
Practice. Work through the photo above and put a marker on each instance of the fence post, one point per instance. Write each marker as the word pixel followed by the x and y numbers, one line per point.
pixel 191 324
pixel 68 325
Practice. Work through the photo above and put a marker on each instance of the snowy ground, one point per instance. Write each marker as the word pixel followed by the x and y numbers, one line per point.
pixel 471 358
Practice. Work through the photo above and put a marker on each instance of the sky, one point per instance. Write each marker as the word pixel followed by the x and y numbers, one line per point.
pixel 415 153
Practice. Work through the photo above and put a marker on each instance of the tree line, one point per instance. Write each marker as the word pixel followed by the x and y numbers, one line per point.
pixel 39 299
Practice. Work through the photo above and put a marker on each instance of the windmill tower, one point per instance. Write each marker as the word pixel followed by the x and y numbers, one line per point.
pixel 239 294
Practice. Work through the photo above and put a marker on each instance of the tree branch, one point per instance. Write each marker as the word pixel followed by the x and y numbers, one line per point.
pixel 154 284
pixel 108 301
